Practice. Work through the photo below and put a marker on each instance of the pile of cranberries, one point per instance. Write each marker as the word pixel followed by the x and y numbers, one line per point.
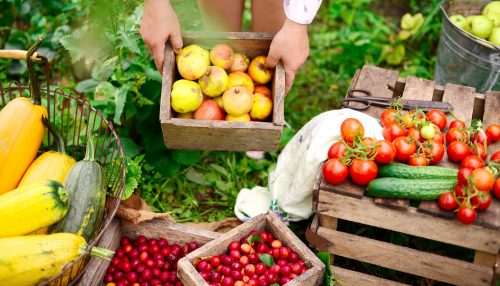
pixel 257 259
pixel 146 262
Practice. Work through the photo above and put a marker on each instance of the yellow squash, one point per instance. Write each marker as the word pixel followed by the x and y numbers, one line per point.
pixel 51 165
pixel 28 260
pixel 32 207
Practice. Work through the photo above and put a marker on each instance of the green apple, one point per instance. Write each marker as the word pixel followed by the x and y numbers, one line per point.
pixel 495 17
pixel 493 6
pixel 495 36
pixel 460 22
pixel 481 26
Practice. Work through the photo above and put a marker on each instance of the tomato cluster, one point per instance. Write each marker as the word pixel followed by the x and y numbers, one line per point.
pixel 416 135
pixel 475 181
pixel 356 156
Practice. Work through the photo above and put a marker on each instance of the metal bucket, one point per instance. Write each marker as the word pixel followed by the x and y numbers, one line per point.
pixel 462 57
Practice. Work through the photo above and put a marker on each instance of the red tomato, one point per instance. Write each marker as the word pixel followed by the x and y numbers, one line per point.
pixel 463 175
pixel 438 138
pixel 337 150
pixel 393 131
pixel 405 147
pixel 350 128
pixel 466 215
pixel 481 201
pixel 493 132
pixel 495 156
pixel 454 134
pixel 480 137
pixel 479 150
pixel 447 202
pixel 388 116
pixel 334 171
pixel 457 124
pixel 472 162
pixel 483 179
pixel 418 160
pixel 386 152
pixel 363 171
pixel 369 142
pixel 438 118
pixel 457 151
pixel 460 191
pixel 496 188
pixel 435 152
pixel 415 134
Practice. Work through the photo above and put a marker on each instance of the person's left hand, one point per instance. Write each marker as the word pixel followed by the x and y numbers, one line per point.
pixel 290 45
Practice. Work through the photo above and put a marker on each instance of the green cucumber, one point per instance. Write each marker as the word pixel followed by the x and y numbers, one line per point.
pixel 403 171
pixel 422 189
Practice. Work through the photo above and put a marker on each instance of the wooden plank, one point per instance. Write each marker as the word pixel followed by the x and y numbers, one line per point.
pixel 96 269
pixel 484 258
pixel 405 259
pixel 462 99
pixel 492 114
pixel 418 89
pixel 353 278
pixel 410 222
pixel 347 188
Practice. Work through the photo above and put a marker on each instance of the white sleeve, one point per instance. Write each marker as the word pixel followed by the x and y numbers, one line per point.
pixel 301 11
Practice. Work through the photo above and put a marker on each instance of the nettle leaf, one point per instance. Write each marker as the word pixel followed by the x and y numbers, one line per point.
pixel 104 92
pixel 72 45
pixel 129 41
pixel 120 99
pixel 255 238
pixel 87 85
pixel 186 157
pixel 266 259
pixel 130 149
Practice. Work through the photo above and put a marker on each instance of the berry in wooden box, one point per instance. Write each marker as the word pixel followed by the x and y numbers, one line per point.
pixel 172 232
pixel 282 238
pixel 181 131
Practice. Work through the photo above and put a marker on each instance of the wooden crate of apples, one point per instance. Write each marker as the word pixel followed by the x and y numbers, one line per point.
pixel 221 84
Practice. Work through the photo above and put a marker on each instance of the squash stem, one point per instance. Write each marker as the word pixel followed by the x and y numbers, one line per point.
pixel 57 136
pixel 89 152
pixel 35 90
pixel 102 253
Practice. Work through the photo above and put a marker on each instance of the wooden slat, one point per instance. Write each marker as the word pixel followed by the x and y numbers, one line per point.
pixel 406 259
pixel 484 258
pixel 410 222
pixel 492 114
pixel 462 99
pixel 353 278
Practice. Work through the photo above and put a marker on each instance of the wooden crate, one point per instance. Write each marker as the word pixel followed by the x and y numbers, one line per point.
pixel 268 222
pixel 347 202
pixel 218 134
pixel 173 232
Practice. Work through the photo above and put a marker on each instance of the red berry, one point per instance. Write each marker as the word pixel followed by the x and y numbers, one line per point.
pixel 245 248
pixel 236 275
pixel 141 239
pixel 261 248
pixel 234 245
pixel 235 254
pixel 125 266
pixel 236 266
pixel 108 278
pixel 154 249
pixel 253 232
pixel 215 261
pixel 156 282
pixel 164 276
pixel 205 276
pixel 276 244
pixel 118 275
pixel 260 268
pixel 253 258
pixel 193 246
pixel 227 260
pixel 215 276
pixel 133 253
pixel 293 256
pixel 284 280
pixel 296 268
pixel 150 263
pixel 244 260
pixel 143 247
pixel 249 269
pixel 285 270
pixel 227 281
pixel 283 253
pixel 165 251
pixel 132 276
pixel 160 263
pixel 271 278
pixel 152 241
pixel 275 269
pixel 202 266
pixel 162 242
pixel 115 261
pixel 127 248
pixel 225 270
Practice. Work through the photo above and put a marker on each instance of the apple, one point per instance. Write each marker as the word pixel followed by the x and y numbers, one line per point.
pixel 495 36
pixel 240 63
pixel 495 17
pixel 262 107
pixel 222 56
pixel 243 118
pixel 187 115
pixel 186 96
pixel 258 70
pixel 493 6
pixel 240 78
pixel 460 22
pixel 237 100
pixel 214 82
pixel 218 100
pixel 209 110
pixel 264 90
pixel 192 62
pixel 481 26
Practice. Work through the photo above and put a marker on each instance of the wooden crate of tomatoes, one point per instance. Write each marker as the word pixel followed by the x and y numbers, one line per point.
pixel 218 94
pixel 435 176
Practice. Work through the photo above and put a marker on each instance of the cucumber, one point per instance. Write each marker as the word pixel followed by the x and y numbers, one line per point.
pixel 403 171
pixel 422 189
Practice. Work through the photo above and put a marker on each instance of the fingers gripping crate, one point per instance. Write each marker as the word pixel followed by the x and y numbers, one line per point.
pixel 347 202
pixel 219 134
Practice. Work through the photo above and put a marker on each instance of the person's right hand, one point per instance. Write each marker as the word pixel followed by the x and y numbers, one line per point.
pixel 160 24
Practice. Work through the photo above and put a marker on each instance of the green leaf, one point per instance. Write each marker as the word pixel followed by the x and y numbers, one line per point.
pixel 219 169
pixel 196 177
pixel 275 284
pixel 129 41
pixel 72 45
pixel 130 149
pixel 104 92
pixel 186 157
pixel 87 85
pixel 266 259
pixel 325 258
pixel 255 238
pixel 120 99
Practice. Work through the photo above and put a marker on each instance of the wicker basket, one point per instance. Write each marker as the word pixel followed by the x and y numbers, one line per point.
pixel 75 119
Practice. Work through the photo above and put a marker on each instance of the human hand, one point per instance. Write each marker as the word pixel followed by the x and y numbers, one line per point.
pixel 159 24
pixel 291 46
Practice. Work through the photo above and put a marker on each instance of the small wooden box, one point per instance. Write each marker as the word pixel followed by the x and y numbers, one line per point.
pixel 218 134
pixel 268 222
pixel 173 232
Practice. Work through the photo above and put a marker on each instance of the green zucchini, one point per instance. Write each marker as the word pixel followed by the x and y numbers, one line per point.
pixel 422 189
pixel 86 189
pixel 403 171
